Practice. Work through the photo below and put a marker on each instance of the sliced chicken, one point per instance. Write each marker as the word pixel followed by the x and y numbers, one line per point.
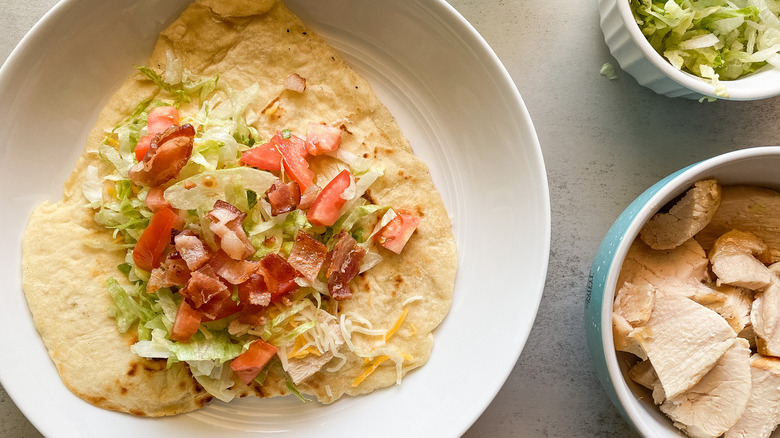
pixel 737 259
pixel 760 417
pixel 683 340
pixel 686 218
pixel 679 271
pixel 714 405
pixel 620 331
pixel 632 308
pixel 644 374
pixel 734 306
pixel 301 368
pixel 765 316
pixel 686 264
pixel 747 208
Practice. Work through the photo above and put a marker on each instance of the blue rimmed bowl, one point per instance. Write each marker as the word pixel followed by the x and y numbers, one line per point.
pixel 757 166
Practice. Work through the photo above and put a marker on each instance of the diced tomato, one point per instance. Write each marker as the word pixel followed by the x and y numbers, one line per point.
pixel 147 253
pixel 155 199
pixel 265 156
pixel 294 159
pixel 160 118
pixel 249 363
pixel 322 138
pixel 326 208
pixel 397 232
pixel 290 152
pixel 142 147
pixel 186 323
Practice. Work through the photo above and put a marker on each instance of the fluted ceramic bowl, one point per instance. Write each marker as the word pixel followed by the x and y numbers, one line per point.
pixel 757 166
pixel 637 57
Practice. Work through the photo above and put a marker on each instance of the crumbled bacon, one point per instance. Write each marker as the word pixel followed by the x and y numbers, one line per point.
pixel 344 266
pixel 255 298
pixel 203 286
pixel 279 275
pixel 191 249
pixel 233 271
pixel 168 152
pixel 226 222
pixel 307 255
pixel 172 272
pixel 283 197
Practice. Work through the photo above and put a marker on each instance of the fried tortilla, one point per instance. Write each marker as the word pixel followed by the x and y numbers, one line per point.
pixel 244 43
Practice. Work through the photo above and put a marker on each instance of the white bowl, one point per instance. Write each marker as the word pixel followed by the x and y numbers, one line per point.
pixel 469 124
pixel 756 166
pixel 637 57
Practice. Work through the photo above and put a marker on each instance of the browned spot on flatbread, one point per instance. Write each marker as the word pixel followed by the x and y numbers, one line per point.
pixel 123 390
pixel 202 402
pixel 154 365
pixel 344 128
pixel 132 339
pixel 133 369
pixel 94 400
pixel 182 385
pixel 270 104
pixel 137 412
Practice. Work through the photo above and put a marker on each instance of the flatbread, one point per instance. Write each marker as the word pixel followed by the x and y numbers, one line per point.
pixel 64 279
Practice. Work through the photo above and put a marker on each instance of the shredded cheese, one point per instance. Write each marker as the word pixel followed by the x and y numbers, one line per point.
pixel 369 370
pixel 389 334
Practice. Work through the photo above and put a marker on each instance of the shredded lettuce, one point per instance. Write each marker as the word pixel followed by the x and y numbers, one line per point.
pixel 207 187
pixel 714 39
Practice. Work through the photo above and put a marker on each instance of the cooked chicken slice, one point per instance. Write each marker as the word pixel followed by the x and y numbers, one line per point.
pixel 631 309
pixel 760 417
pixel 644 374
pixel 300 368
pixel 746 208
pixel 635 303
pixel 620 331
pixel 686 218
pixel 686 264
pixel 735 306
pixel 765 316
pixel 679 271
pixel 683 340
pixel 737 259
pixel 714 405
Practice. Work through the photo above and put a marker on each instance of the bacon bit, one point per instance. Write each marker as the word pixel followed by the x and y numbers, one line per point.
pixel 307 255
pixel 172 272
pixel 283 197
pixel 203 286
pixel 308 197
pixel 279 276
pixel 233 271
pixel 226 222
pixel 368 371
pixel 168 152
pixel 344 266
pixel 295 83
pixel 191 249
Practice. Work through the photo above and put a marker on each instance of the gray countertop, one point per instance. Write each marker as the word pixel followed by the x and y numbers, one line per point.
pixel 604 142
